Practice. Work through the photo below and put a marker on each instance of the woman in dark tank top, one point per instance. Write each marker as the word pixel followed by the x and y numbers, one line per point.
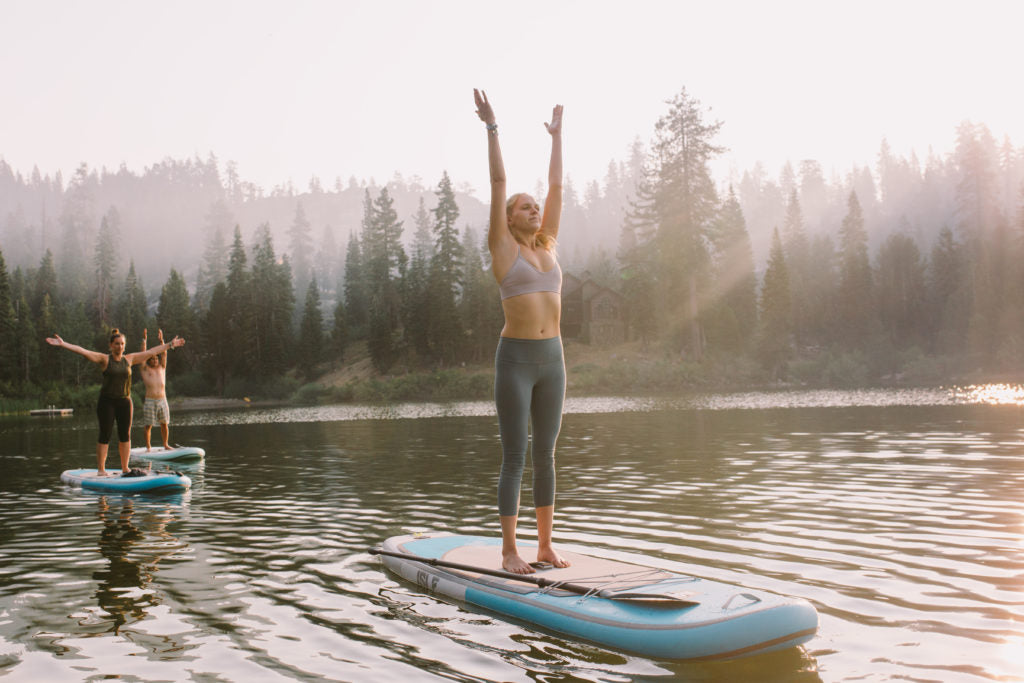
pixel 117 378
pixel 115 400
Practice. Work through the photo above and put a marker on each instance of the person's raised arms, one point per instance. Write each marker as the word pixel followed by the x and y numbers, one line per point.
pixel 553 203
pixel 498 236
pixel 163 356
pixel 94 356
pixel 140 356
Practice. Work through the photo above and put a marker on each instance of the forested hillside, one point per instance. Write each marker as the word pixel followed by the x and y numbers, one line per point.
pixel 903 265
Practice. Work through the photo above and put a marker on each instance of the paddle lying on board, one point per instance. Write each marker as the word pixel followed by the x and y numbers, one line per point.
pixel 675 599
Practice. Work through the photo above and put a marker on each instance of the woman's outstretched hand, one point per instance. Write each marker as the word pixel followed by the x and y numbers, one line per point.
pixel 556 120
pixel 483 107
pixel 55 340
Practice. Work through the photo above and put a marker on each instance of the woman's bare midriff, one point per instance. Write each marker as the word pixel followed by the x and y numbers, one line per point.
pixel 532 316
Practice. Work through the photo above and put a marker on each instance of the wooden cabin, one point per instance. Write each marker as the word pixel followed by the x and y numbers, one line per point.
pixel 592 313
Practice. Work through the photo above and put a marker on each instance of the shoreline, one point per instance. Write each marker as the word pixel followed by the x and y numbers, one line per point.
pixel 198 403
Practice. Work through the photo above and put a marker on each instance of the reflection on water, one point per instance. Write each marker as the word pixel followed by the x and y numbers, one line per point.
pixel 133 545
pixel 989 394
pixel 900 518
pixel 992 394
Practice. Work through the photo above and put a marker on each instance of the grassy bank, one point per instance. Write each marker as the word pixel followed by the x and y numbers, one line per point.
pixel 632 369
pixel 626 369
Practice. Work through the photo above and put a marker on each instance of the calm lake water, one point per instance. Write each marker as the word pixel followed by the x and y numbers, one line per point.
pixel 898 514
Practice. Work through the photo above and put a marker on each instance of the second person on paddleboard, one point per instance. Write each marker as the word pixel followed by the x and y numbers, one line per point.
pixel 115 400
pixel 529 366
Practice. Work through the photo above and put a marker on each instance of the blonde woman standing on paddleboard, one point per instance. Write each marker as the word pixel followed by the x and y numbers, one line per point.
pixel 529 367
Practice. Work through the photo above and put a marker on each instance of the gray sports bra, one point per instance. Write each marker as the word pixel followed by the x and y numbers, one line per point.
pixel 524 278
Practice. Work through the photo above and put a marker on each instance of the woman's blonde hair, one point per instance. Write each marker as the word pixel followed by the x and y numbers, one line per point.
pixel 540 238
pixel 115 333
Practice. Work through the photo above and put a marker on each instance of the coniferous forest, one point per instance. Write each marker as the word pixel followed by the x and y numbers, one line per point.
pixel 903 269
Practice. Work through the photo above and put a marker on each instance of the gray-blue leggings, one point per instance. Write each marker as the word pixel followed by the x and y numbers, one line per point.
pixel 529 386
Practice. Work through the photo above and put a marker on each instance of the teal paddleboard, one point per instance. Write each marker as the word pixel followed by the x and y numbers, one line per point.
pixel 114 482
pixel 624 605
pixel 173 453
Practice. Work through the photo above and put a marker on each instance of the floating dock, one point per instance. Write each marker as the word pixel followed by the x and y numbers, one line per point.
pixel 51 412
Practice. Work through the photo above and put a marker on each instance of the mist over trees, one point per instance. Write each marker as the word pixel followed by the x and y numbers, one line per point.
pixel 901 267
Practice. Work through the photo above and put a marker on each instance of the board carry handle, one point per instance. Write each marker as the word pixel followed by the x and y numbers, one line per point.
pixel 673 600
pixel 749 596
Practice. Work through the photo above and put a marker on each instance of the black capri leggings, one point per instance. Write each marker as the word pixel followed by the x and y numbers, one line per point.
pixel 529 388
pixel 110 409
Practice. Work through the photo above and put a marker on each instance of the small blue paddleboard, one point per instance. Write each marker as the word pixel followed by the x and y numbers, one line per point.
pixel 174 453
pixel 622 605
pixel 114 482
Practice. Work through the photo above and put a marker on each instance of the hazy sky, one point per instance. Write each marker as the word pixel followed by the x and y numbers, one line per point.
pixel 291 89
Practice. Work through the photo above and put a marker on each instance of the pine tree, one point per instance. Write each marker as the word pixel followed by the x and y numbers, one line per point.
pixel 678 199
pixel 949 294
pixel 105 265
pixel 131 310
pixel 213 269
pixel 356 296
pixel 76 325
pixel 735 285
pixel 78 224
pixel 8 327
pixel 901 275
pixel 45 284
pixel 479 308
pixel 797 250
pixel 27 340
pixel 339 332
pixel 219 355
pixel 175 317
pixel 326 262
pixel 774 344
pixel 16 235
pixel 976 161
pixel 416 308
pixel 310 346
pixel 273 305
pixel 385 262
pixel 46 320
pixel 855 298
pixel 422 241
pixel 240 310
pixel 301 249
pixel 813 192
pixel 445 327
pixel 636 268
pixel 980 221
pixel 390 230
pixel 821 317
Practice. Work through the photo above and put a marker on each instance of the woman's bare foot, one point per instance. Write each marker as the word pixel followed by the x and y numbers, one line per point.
pixel 549 555
pixel 513 563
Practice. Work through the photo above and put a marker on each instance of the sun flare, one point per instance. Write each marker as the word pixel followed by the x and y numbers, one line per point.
pixel 991 394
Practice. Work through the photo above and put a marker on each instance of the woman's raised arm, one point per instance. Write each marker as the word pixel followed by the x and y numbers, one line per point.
pixel 94 356
pixel 498 233
pixel 553 203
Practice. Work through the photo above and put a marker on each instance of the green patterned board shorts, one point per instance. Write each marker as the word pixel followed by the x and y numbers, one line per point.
pixel 155 411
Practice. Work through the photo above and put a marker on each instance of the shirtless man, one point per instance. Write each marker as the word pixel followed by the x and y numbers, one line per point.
pixel 155 409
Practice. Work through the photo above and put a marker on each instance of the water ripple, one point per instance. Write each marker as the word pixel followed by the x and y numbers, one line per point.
pixel 900 519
